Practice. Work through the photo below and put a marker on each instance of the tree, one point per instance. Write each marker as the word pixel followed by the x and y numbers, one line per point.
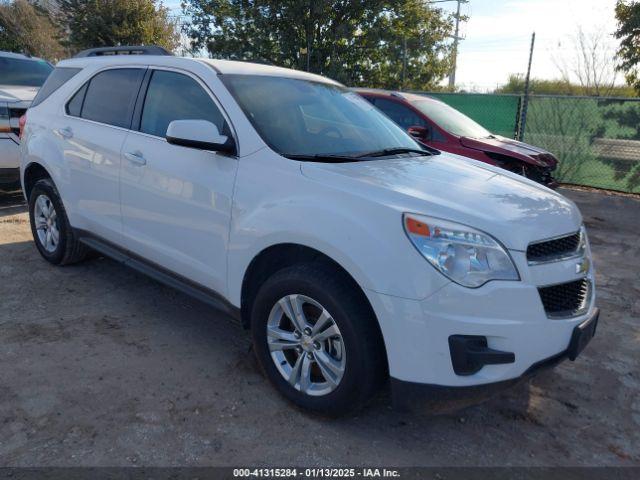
pixel 537 86
pixel 592 66
pixel 356 42
pixel 25 27
pixel 628 32
pixel 101 23
pixel 408 48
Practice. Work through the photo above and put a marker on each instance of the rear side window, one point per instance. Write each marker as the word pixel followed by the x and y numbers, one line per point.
pixel 74 107
pixel 174 96
pixel 111 96
pixel 58 77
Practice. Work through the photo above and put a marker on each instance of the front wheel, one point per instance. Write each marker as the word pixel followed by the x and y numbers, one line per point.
pixel 316 339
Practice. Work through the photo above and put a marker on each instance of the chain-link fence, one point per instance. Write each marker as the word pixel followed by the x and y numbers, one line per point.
pixel 596 139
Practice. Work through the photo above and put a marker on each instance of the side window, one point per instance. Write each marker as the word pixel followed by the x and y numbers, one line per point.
pixel 74 106
pixel 174 96
pixel 111 96
pixel 436 136
pixel 400 114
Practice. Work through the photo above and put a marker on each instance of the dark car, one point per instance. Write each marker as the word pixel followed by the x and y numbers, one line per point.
pixel 436 124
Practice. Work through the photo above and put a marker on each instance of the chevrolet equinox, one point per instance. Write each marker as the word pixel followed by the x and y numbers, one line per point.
pixel 355 257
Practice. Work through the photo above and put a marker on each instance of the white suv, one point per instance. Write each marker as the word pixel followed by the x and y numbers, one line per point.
pixel 352 255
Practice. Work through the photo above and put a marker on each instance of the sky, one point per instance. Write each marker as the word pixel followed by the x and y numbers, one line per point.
pixel 498 35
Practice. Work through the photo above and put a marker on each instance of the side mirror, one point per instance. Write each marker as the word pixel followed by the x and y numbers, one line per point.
pixel 420 133
pixel 201 134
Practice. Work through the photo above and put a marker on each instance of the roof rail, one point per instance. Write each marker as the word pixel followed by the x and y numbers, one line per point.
pixel 123 50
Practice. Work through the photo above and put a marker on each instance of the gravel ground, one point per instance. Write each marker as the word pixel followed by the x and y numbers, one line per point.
pixel 101 366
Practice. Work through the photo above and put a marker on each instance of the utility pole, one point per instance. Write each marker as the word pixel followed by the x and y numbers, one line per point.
pixel 525 100
pixel 456 38
pixel 404 61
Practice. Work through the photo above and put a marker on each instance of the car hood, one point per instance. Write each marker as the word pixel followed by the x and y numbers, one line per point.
pixel 514 210
pixel 16 93
pixel 506 146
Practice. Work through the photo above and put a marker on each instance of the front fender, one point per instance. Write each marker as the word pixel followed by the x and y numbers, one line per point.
pixel 274 204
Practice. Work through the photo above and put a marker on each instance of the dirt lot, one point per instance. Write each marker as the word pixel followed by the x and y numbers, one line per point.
pixel 101 366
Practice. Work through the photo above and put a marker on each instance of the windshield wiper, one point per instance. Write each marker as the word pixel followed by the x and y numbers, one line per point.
pixel 321 157
pixel 397 150
pixel 334 158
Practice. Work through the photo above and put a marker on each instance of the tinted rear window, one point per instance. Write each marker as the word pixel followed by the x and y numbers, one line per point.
pixel 111 96
pixel 23 72
pixel 57 78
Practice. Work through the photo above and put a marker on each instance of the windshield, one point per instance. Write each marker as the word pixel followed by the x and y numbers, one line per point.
pixel 25 73
pixel 451 119
pixel 301 117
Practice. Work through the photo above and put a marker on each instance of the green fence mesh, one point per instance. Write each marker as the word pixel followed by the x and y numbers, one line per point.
pixel 496 113
pixel 596 140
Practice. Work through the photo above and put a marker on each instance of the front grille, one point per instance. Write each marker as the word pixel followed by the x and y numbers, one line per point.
pixel 556 249
pixel 566 299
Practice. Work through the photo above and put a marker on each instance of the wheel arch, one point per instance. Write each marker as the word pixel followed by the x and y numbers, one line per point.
pixel 278 256
pixel 271 259
pixel 32 173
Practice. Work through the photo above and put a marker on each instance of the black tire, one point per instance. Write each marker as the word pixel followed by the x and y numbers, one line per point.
pixel 68 249
pixel 365 365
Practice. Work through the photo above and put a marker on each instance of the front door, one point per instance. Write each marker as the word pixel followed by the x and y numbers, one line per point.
pixel 176 201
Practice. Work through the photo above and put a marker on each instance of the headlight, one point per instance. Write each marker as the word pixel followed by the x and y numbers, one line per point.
pixel 463 254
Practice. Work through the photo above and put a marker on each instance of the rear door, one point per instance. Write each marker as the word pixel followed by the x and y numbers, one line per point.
pixel 176 201
pixel 93 131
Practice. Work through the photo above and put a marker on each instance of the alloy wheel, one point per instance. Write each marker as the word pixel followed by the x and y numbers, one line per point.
pixel 46 222
pixel 306 345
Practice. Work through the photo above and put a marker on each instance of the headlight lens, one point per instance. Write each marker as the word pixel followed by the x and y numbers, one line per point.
pixel 463 254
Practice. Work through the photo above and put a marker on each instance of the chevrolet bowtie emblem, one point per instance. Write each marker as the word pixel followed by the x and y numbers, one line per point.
pixel 583 266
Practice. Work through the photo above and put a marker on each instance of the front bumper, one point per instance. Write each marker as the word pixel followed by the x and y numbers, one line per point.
pixel 413 396
pixel 508 316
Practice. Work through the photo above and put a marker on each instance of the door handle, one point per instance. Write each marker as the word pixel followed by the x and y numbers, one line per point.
pixel 135 158
pixel 65 132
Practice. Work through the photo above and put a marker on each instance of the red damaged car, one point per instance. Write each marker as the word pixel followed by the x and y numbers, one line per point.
pixel 436 124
